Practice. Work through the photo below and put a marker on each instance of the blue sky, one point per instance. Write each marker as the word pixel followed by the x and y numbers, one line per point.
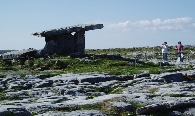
pixel 127 23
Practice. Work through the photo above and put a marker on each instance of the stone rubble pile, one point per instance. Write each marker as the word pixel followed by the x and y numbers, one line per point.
pixel 44 95
pixel 18 53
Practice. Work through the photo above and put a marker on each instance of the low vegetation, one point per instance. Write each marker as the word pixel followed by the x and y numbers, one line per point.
pixel 111 61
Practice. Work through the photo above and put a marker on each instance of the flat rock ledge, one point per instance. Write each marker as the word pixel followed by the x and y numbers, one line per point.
pixel 39 95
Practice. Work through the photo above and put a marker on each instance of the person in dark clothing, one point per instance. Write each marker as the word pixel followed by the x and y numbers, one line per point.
pixel 179 51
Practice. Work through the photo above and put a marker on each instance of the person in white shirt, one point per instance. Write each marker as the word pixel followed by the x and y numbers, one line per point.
pixel 164 47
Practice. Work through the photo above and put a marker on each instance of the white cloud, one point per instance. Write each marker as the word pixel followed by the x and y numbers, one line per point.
pixel 170 27
pixel 119 25
pixel 126 30
pixel 142 23
pixel 155 24
pixel 178 20
pixel 193 24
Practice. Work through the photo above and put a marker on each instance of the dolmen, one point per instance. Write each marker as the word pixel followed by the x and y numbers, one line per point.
pixel 60 41
pixel 66 40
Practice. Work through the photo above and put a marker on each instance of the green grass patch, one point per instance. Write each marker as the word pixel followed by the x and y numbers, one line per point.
pixel 117 91
pixel 153 90
pixel 138 105
pixel 2 95
pixel 2 75
pixel 92 61
pixel 178 95
pixel 22 74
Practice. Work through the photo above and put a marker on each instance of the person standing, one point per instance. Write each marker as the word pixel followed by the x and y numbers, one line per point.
pixel 179 51
pixel 164 47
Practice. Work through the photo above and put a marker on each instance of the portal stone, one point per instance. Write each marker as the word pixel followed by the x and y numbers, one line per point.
pixel 79 40
pixel 61 44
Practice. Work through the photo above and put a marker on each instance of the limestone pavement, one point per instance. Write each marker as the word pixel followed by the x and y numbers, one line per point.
pixel 44 95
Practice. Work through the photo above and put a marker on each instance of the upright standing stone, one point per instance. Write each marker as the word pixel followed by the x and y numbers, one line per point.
pixel 79 39
pixel 61 44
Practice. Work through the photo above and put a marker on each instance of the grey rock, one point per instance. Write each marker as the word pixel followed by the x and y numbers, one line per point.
pixel 96 94
pixel 2 87
pixel 62 44
pixel 170 77
pixel 42 76
pixel 42 84
pixel 178 105
pixel 149 109
pixel 74 113
pixel 19 54
pixel 67 90
pixel 40 107
pixel 7 110
pixel 123 106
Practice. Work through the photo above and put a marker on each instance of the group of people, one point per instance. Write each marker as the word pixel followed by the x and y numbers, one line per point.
pixel 164 47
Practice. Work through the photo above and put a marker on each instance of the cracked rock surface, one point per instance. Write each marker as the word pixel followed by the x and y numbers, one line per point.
pixel 67 94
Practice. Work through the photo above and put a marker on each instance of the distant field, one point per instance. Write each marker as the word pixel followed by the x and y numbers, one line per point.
pixel 4 51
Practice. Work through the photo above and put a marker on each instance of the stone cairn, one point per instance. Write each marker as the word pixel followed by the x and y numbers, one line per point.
pixel 62 41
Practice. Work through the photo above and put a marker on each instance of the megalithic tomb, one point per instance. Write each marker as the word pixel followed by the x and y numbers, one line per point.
pixel 66 40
